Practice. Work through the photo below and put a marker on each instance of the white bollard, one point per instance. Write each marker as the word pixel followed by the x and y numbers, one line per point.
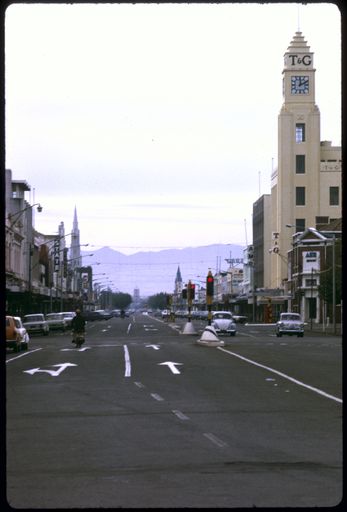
pixel 209 338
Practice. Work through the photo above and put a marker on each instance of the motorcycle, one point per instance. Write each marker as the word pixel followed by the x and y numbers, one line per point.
pixel 78 339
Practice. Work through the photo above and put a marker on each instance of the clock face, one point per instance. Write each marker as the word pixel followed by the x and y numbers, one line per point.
pixel 299 85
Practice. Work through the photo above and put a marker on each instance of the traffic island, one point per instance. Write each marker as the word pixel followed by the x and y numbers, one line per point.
pixel 189 329
pixel 209 338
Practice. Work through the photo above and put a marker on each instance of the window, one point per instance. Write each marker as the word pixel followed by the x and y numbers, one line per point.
pixel 300 164
pixel 334 196
pixel 300 196
pixel 300 132
pixel 321 221
pixel 300 225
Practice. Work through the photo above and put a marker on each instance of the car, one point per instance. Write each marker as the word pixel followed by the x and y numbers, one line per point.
pixel 90 316
pixel 24 336
pixel 68 316
pixel 104 314
pixel 13 339
pixel 223 323
pixel 56 321
pixel 239 319
pixel 36 324
pixel 290 323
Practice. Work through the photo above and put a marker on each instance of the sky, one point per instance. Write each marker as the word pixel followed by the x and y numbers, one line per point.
pixel 158 122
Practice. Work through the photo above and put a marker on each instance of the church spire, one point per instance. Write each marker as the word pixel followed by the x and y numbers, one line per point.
pixel 75 252
pixel 75 223
pixel 178 282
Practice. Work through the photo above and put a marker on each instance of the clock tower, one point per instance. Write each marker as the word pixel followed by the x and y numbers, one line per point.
pixel 295 185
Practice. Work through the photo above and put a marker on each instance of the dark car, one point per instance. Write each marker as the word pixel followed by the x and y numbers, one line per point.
pixel 90 316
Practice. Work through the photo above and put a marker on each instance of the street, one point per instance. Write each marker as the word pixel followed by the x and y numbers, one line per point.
pixel 142 416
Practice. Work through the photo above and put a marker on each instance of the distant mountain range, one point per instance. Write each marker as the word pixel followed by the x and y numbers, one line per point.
pixel 155 272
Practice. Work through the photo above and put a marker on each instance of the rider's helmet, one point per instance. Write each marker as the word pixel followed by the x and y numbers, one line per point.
pixel 78 311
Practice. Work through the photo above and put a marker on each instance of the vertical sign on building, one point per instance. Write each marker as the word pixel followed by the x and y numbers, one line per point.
pixel 56 254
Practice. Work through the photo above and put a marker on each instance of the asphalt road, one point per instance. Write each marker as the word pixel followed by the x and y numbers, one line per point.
pixel 142 416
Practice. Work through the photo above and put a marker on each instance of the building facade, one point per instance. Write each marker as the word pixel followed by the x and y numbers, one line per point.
pixel 306 186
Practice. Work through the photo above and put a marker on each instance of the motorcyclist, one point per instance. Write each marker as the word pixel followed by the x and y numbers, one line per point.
pixel 77 325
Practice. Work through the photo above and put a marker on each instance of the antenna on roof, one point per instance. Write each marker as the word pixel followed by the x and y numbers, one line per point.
pixel 246 232
pixel 298 17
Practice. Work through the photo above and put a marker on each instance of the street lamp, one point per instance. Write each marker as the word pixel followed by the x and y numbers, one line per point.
pixel 13 217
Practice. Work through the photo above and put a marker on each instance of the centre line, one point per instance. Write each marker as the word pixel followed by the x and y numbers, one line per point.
pixel 298 382
pixel 180 415
pixel 129 327
pixel 127 362
pixel 215 440
pixel 157 397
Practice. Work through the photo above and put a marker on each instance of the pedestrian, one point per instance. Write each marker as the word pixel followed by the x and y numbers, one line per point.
pixel 77 325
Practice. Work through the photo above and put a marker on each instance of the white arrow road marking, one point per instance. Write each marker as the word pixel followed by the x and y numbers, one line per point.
pixel 172 366
pixel 155 347
pixel 53 373
pixel 75 349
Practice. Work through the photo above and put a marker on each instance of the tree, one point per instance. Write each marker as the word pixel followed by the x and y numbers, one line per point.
pixel 121 300
pixel 157 301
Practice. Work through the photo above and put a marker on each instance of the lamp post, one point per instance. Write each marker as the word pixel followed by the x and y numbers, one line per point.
pixel 14 217
pixel 61 277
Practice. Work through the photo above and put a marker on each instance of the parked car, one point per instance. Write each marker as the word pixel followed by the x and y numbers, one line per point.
pixel 68 315
pixel 23 334
pixel 13 339
pixel 290 323
pixel 222 322
pixel 56 321
pixel 90 316
pixel 239 319
pixel 36 324
pixel 104 314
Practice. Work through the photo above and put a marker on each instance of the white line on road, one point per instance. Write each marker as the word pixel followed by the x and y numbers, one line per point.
pixel 129 327
pixel 157 397
pixel 180 415
pixel 215 440
pixel 22 355
pixel 316 390
pixel 139 384
pixel 127 362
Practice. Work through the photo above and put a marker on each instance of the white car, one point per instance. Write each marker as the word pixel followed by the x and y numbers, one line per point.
pixel 56 321
pixel 223 323
pixel 68 316
pixel 290 323
pixel 36 323
pixel 24 336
